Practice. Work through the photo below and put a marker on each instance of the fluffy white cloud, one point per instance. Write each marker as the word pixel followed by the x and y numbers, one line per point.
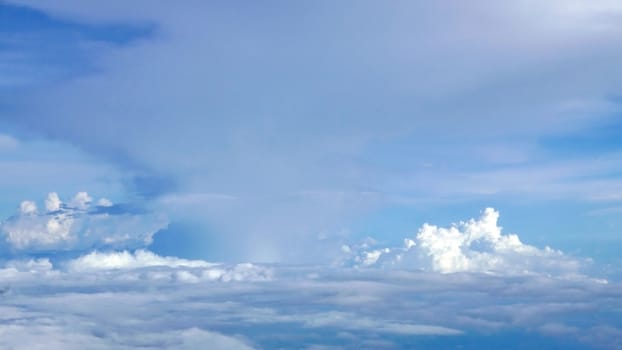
pixel 81 201
pixel 126 266
pixel 78 225
pixel 169 268
pixel 28 207
pixel 53 202
pixel 20 270
pixel 29 229
pixel 127 260
pixel 471 246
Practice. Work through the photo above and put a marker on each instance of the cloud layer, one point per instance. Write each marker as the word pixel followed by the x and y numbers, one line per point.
pixel 461 286
pixel 147 301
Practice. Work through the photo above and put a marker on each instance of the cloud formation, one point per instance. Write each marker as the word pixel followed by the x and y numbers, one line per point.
pixel 153 266
pixel 268 107
pixel 78 225
pixel 147 301
pixel 470 280
pixel 476 245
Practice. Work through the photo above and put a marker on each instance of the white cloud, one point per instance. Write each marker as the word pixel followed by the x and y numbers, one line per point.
pixel 170 268
pixel 476 245
pixel 371 257
pixel 142 265
pixel 126 260
pixel 81 201
pixel 16 268
pixel 53 202
pixel 28 207
pixel 29 228
pixel 104 202
pixel 77 225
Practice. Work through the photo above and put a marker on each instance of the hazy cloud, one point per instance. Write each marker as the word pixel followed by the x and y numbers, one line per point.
pixel 279 102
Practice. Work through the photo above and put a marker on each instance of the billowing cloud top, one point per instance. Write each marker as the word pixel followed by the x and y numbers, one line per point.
pixel 78 225
pixel 476 245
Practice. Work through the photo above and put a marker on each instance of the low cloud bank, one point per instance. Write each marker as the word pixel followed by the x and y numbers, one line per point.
pixel 153 266
pixel 144 301
pixel 133 266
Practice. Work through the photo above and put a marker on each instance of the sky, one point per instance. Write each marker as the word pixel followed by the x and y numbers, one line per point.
pixel 311 174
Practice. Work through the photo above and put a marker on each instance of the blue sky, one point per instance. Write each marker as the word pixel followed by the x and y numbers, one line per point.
pixel 315 133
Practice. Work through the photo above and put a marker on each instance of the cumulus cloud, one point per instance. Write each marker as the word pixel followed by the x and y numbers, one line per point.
pixel 52 202
pixel 28 207
pixel 476 245
pixel 77 225
pixel 127 260
pixel 18 270
pixel 81 201
pixel 154 266
pixel 132 266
